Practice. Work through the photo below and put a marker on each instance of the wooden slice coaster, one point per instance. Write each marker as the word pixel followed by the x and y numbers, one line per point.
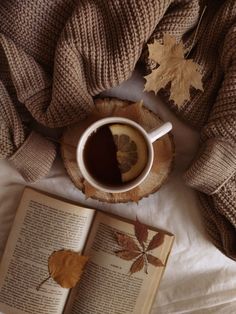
pixel 163 150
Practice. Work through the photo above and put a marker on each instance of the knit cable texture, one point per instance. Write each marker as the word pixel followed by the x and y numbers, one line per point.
pixel 213 113
pixel 56 55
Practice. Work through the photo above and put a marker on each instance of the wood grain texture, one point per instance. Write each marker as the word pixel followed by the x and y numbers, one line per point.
pixel 163 150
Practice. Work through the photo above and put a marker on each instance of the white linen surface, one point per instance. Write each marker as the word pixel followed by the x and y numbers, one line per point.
pixel 198 277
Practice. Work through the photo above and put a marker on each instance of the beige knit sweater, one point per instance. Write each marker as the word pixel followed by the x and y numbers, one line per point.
pixel 56 55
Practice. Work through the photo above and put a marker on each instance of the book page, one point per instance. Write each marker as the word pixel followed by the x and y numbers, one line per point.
pixel 42 225
pixel 106 286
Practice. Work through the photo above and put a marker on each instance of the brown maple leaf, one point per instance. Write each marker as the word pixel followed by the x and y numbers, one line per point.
pixel 174 68
pixel 140 250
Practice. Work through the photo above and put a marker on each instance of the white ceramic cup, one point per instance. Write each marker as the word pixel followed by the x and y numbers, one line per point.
pixel 149 138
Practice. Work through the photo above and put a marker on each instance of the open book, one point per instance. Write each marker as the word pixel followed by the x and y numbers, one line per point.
pixel 44 224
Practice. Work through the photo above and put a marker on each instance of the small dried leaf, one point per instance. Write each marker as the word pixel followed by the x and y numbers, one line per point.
pixel 134 194
pixel 127 255
pixel 141 232
pixel 131 111
pixel 174 68
pixel 137 265
pixel 66 267
pixel 154 260
pixel 126 242
pixel 89 190
pixel 156 241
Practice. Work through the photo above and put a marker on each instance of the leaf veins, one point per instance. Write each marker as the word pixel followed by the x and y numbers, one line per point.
pixel 154 260
pixel 65 267
pixel 174 68
pixel 137 265
pixel 156 241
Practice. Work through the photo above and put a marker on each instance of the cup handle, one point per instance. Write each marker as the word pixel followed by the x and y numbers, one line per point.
pixel 159 132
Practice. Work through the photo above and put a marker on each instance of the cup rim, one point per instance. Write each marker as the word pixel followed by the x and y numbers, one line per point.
pixel 81 164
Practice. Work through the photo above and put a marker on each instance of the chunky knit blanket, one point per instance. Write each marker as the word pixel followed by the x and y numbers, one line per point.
pixel 56 55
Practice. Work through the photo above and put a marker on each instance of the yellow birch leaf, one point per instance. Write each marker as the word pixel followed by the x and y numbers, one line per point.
pixel 174 68
pixel 66 267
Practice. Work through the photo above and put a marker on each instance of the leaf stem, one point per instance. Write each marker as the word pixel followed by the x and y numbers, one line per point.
pixel 195 34
pixel 40 285
pixel 146 263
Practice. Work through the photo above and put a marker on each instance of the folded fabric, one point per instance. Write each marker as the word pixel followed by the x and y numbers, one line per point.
pixel 213 113
pixel 56 55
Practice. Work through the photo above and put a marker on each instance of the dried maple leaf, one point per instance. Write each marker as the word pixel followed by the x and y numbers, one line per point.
pixel 130 250
pixel 66 267
pixel 174 68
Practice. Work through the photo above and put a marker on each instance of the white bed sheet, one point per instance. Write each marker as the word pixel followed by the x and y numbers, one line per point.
pixel 198 277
